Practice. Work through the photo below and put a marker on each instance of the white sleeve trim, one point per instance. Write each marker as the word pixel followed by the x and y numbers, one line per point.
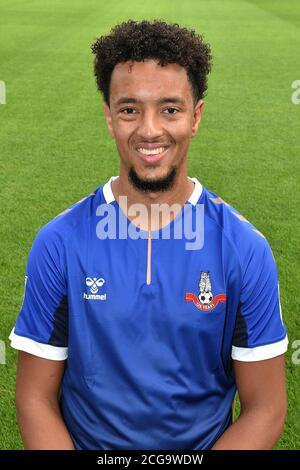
pixel 260 352
pixel 47 351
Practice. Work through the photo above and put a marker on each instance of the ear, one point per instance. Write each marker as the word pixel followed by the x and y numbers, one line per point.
pixel 108 119
pixel 198 111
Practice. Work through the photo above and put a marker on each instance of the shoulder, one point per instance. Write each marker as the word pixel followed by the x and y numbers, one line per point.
pixel 240 233
pixel 59 230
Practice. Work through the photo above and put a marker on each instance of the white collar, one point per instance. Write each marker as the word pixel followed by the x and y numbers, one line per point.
pixel 193 199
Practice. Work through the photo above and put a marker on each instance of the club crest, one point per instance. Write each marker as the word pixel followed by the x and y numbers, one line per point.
pixel 205 300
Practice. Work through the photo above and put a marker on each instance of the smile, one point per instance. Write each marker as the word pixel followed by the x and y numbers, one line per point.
pixel 152 155
pixel 155 151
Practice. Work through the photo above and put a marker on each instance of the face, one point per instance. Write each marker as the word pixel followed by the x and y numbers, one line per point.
pixel 152 117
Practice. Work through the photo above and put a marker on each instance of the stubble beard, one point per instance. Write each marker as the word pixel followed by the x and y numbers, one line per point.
pixel 152 185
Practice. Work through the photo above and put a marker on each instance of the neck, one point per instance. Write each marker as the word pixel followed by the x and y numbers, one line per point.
pixel 178 195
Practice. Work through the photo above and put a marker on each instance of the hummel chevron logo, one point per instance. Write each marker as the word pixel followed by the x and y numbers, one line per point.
pixel 93 283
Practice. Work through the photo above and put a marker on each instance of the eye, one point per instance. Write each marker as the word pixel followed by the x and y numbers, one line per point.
pixel 171 111
pixel 128 111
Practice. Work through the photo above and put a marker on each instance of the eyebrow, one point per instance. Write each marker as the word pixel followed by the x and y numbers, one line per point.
pixel 167 99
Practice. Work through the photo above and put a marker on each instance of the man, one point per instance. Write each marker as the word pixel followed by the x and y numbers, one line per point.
pixel 130 339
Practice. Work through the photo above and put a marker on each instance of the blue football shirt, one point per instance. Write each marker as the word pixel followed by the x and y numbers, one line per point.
pixel 149 328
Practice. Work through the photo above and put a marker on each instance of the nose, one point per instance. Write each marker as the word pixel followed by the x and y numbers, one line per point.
pixel 149 126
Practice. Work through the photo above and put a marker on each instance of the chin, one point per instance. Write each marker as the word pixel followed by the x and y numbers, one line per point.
pixel 153 180
pixel 153 172
pixel 152 175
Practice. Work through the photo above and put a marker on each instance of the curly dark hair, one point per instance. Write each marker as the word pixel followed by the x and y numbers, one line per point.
pixel 166 43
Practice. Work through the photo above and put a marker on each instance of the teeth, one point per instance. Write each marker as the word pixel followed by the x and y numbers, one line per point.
pixel 152 151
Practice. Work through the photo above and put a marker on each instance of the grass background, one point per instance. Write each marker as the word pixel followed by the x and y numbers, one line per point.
pixel 54 148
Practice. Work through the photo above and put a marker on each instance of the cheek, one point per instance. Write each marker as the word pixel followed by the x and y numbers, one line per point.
pixel 122 132
pixel 121 146
pixel 182 128
pixel 122 141
pixel 183 134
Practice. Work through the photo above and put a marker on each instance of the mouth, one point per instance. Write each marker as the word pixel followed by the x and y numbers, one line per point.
pixel 152 155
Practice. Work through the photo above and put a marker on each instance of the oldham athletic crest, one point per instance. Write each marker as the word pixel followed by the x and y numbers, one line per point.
pixel 205 299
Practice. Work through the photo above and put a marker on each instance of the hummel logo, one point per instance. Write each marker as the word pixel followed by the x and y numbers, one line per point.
pixel 93 283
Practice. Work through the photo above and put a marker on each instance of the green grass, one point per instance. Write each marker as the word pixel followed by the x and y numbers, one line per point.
pixel 55 148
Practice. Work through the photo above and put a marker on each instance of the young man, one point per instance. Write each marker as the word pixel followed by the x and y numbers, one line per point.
pixel 131 338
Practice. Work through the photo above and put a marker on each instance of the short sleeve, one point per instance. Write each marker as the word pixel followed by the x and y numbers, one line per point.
pixel 259 330
pixel 42 324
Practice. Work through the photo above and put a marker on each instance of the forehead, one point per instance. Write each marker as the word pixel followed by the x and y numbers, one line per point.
pixel 149 81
